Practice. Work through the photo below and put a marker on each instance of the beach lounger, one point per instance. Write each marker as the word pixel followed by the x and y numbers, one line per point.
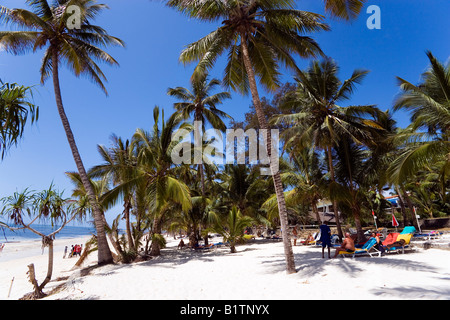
pixel 249 236
pixel 316 240
pixel 390 239
pixel 407 239
pixel 334 240
pixel 408 230
pixel 367 248
pixel 432 235
pixel 203 247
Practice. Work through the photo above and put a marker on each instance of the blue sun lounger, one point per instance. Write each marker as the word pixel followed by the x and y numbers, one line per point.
pixel 367 248
pixel 409 229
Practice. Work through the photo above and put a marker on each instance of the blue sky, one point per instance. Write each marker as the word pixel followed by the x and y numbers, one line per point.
pixel 154 37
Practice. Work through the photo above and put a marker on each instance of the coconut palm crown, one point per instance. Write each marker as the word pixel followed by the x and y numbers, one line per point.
pixel 15 110
pixel 48 27
pixel 272 30
pixel 428 137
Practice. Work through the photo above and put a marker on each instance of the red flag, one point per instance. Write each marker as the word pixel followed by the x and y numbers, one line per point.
pixel 394 221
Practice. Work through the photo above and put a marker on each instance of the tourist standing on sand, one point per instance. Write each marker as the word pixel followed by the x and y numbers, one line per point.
pixel 325 238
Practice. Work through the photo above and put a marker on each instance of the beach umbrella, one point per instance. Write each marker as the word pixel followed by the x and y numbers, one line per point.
pixel 394 222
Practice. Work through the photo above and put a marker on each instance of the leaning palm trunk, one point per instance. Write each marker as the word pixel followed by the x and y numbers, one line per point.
pixel 110 236
pixel 104 254
pixel 289 255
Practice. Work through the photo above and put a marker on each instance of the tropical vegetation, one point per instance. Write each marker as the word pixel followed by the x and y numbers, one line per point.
pixel 352 155
pixel 16 108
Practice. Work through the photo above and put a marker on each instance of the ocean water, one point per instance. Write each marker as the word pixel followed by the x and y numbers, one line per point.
pixel 7 235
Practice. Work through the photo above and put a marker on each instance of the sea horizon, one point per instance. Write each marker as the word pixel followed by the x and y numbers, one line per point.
pixel 8 236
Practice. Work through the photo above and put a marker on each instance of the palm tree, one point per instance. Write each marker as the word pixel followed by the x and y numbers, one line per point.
pixel 17 205
pixel 232 227
pixel 47 204
pixel 258 35
pixel 200 103
pixel 319 121
pixel 46 26
pixel 205 200
pixel 244 187
pixel 120 166
pixel 15 108
pixel 352 179
pixel 84 205
pixel 202 106
pixel 304 176
pixel 429 103
pixel 156 169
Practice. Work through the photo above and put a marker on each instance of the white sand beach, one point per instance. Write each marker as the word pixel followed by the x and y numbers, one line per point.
pixel 255 272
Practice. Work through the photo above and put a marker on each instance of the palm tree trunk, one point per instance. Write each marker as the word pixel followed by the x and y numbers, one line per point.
pixel 48 241
pixel 104 254
pixel 410 206
pixel 289 255
pixel 198 119
pixel 402 206
pixel 127 206
pixel 356 210
pixel 83 256
pixel 335 207
pixel 111 238
pixel 37 294
pixel 316 211
pixel 156 249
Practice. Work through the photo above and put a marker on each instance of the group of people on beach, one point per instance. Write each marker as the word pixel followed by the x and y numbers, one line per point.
pixel 347 245
pixel 193 242
pixel 75 250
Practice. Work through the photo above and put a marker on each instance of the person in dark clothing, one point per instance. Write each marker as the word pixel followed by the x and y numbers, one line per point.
pixel 325 238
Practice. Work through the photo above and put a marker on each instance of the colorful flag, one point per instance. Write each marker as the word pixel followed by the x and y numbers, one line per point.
pixel 394 221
